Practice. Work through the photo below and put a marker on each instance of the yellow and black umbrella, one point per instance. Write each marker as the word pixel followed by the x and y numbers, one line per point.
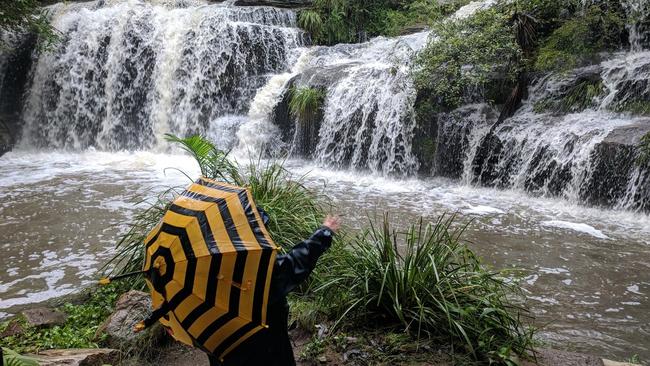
pixel 208 264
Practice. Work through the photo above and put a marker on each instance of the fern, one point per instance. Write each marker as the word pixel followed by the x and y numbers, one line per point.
pixel 213 162
pixel 12 358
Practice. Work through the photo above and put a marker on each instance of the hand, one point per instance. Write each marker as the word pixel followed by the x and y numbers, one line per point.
pixel 332 222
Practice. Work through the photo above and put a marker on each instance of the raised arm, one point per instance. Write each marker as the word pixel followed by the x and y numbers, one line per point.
pixel 293 268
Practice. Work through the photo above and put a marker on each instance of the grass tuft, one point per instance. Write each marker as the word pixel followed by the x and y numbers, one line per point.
pixel 427 282
pixel 305 102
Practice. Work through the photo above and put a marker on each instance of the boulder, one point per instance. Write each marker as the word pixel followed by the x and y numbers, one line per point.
pixel 44 317
pixel 131 308
pixel 276 3
pixel 13 328
pixel 614 165
pixel 77 357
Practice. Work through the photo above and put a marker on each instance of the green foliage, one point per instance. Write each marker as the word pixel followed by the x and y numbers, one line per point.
pixel 577 98
pixel 347 21
pixel 311 21
pixel 12 358
pixel 293 209
pixel 27 15
pixel 465 54
pixel 214 163
pixel 305 102
pixel 418 13
pixel 644 150
pixel 432 285
pixel 314 348
pixel 78 331
pixel 580 38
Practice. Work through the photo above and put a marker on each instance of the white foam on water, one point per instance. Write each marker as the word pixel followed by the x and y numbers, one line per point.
pixel 482 210
pixel 634 289
pixel 583 228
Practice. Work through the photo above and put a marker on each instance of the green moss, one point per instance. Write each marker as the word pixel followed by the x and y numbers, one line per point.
pixel 575 99
pixel 77 332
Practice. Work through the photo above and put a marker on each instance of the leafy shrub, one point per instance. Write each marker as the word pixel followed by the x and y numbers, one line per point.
pixel 347 21
pixel 465 54
pixel 29 16
pixel 430 284
pixel 311 21
pixel 580 38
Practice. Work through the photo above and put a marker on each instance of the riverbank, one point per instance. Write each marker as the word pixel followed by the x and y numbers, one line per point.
pixel 317 345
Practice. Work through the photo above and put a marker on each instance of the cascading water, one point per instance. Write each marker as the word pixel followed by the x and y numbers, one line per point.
pixel 127 72
pixel 368 117
pixel 585 154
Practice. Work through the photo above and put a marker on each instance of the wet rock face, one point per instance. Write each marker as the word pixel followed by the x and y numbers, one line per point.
pixel 302 138
pixel 44 317
pixel 617 175
pixel 15 62
pixel 276 3
pixel 453 140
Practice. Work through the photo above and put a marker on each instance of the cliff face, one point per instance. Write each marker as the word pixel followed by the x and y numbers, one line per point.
pixel 15 63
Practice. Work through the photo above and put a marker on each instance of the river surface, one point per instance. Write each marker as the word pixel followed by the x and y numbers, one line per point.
pixel 586 271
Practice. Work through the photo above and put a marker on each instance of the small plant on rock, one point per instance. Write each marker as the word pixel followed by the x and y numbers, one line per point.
pixel 305 102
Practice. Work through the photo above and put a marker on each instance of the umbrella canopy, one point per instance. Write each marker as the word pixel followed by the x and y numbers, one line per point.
pixel 208 264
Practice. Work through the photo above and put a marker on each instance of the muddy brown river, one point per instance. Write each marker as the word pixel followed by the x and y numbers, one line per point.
pixel 585 271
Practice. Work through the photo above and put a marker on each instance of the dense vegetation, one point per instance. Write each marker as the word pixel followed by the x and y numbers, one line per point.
pixel 79 331
pixel 349 21
pixel 503 44
pixel 26 15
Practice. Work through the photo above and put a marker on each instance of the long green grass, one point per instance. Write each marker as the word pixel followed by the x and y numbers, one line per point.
pixel 305 102
pixel 312 22
pixel 426 281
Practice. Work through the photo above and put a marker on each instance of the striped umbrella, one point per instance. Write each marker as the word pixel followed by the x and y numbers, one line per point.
pixel 208 266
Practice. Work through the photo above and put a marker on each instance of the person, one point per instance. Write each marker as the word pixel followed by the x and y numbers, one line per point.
pixel 272 346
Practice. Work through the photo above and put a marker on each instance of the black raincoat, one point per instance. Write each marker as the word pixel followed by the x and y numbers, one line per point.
pixel 272 346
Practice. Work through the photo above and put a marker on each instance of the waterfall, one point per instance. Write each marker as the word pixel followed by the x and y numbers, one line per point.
pixel 368 118
pixel 126 72
pixel 585 154
pixel 638 23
